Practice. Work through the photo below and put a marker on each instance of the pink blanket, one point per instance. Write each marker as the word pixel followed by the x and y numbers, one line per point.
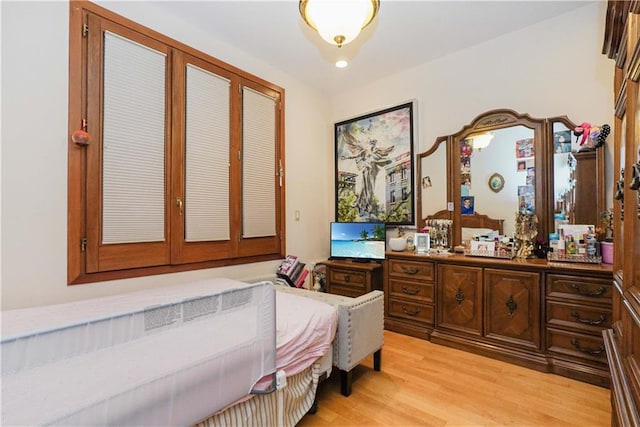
pixel 305 330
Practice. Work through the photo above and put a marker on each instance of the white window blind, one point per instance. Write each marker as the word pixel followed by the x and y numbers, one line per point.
pixel 133 191
pixel 258 167
pixel 207 156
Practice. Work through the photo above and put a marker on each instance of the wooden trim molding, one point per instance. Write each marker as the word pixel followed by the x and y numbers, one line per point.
pixel 633 71
pixel 621 396
pixel 621 101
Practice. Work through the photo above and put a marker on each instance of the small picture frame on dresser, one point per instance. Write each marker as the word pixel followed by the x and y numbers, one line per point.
pixel 422 242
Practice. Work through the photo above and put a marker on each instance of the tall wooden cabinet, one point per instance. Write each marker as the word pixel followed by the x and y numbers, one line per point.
pixel 622 340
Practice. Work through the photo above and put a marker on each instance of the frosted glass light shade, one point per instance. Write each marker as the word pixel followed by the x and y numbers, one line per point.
pixel 338 22
pixel 482 140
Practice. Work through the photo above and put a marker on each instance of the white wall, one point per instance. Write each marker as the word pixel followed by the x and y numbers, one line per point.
pixel 34 155
pixel 549 69
pixel 552 68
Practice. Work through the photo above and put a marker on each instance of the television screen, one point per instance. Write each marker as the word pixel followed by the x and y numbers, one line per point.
pixel 358 241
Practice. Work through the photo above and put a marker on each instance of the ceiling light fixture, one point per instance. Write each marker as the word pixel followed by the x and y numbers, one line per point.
pixel 341 63
pixel 338 21
pixel 482 140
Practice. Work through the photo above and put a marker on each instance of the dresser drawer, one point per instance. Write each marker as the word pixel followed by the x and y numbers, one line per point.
pixel 411 311
pixel 411 290
pixel 576 316
pixel 422 270
pixel 355 280
pixel 583 289
pixel 346 292
pixel 586 347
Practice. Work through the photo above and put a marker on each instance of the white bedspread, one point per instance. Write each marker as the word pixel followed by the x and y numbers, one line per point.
pixel 71 375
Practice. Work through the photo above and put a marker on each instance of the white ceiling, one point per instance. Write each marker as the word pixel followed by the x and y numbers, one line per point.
pixel 405 33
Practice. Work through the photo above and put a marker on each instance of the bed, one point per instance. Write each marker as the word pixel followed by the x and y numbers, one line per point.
pixel 214 352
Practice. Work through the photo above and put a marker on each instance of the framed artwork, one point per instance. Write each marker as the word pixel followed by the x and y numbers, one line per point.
pixel 496 182
pixel 374 167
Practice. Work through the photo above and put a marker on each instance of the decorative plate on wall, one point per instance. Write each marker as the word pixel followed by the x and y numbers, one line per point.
pixel 496 182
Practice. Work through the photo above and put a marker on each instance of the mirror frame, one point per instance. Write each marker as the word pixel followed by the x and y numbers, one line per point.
pixel 436 145
pixel 488 121
pixel 544 181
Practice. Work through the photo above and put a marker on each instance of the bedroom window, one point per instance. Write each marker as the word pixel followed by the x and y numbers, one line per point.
pixel 185 166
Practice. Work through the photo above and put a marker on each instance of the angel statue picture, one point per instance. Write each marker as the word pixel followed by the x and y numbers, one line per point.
pixel 374 168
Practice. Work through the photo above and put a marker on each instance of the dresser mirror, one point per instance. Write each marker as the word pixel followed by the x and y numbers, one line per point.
pixel 432 187
pixel 526 167
pixel 577 184
pixel 512 153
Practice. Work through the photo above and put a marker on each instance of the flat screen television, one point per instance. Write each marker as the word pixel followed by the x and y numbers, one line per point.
pixel 358 241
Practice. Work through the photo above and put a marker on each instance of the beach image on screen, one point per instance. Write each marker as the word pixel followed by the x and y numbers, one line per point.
pixel 358 240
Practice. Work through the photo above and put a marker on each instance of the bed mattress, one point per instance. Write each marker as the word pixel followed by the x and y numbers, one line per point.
pixel 166 356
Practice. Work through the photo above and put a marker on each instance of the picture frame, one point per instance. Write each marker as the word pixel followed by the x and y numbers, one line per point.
pixel 482 247
pixel 496 182
pixel 374 167
pixel 422 242
pixel 467 205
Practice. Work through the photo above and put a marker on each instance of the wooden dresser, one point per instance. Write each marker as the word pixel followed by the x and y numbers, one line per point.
pixel 542 315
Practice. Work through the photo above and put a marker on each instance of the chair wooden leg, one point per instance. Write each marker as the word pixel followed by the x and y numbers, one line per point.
pixel 377 360
pixel 345 382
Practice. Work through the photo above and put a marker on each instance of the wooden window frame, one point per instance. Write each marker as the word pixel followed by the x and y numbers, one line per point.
pixel 180 257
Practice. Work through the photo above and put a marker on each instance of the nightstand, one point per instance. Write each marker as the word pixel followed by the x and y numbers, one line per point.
pixel 353 279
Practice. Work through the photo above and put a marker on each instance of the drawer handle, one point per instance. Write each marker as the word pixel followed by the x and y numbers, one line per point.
pixel 601 290
pixel 407 270
pixel 591 351
pixel 347 278
pixel 511 305
pixel 459 297
pixel 591 322
pixel 410 291
pixel 410 312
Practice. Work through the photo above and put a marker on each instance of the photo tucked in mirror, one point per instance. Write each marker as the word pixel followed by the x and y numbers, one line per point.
pixel 510 155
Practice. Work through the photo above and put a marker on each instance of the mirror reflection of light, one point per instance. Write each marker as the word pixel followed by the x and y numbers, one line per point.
pixel 341 63
pixel 482 140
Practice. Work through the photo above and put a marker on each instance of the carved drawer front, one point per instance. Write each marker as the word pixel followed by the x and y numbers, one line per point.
pixel 460 298
pixel 512 307
pixel 411 311
pixel 411 290
pixel 587 347
pixel 348 278
pixel 424 270
pixel 583 289
pixel 578 317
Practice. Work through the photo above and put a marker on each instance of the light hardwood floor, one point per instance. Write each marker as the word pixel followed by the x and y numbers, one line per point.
pixel 431 385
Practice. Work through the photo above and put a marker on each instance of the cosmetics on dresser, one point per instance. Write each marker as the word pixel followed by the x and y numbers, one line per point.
pixel 561 244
